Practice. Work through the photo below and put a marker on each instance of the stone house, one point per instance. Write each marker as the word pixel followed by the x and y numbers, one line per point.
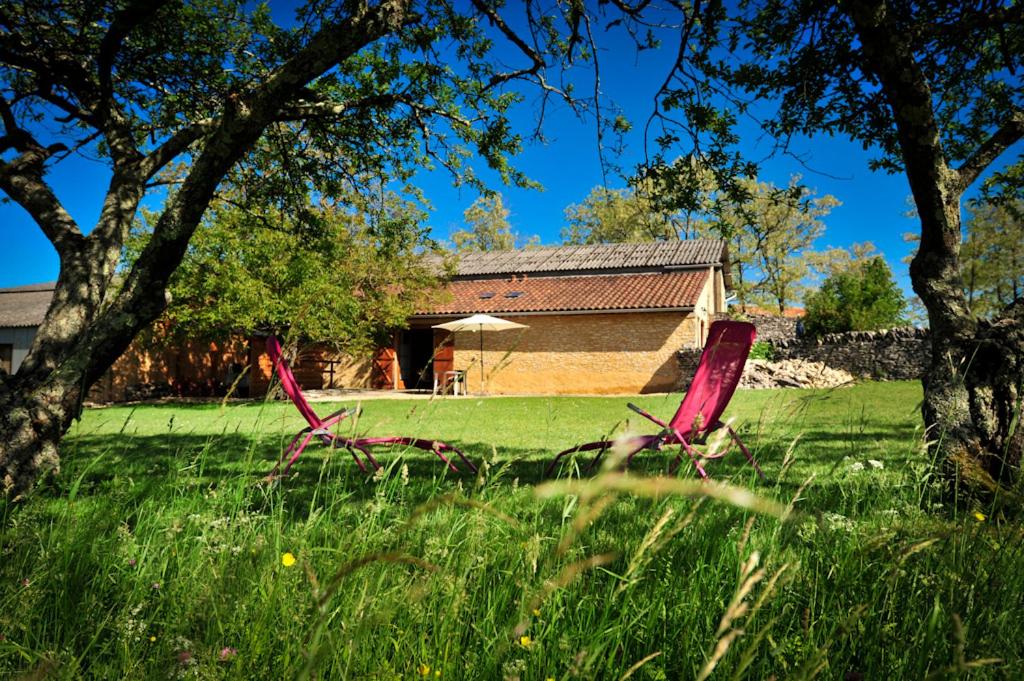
pixel 603 319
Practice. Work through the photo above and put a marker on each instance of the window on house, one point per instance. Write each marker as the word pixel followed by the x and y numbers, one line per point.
pixel 513 294
pixel 6 353
pixel 486 295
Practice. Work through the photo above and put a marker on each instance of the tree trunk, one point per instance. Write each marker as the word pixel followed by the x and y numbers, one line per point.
pixel 972 387
pixel 70 352
pixel 32 420
pixel 972 407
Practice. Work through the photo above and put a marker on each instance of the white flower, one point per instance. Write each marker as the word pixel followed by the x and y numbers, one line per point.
pixel 836 521
pixel 857 467
pixel 875 464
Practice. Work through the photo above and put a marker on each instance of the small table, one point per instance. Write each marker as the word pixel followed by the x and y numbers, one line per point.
pixel 455 378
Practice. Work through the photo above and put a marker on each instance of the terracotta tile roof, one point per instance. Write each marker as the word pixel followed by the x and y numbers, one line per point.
pixel 791 312
pixel 25 305
pixel 571 293
pixel 655 255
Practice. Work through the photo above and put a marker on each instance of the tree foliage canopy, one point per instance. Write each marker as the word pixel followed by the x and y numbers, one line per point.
pixel 863 298
pixel 771 235
pixel 629 215
pixel 358 276
pixel 993 256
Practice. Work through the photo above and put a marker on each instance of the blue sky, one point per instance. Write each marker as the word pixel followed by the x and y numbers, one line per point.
pixel 873 203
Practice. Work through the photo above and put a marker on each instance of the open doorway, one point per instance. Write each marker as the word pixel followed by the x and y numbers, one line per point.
pixel 416 358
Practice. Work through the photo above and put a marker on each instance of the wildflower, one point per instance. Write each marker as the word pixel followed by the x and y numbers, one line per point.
pixel 875 463
pixel 152 639
pixel 25 582
pixel 227 653
pixel 857 467
pixel 424 669
pixel 131 562
pixel 979 516
pixel 525 642
pixel 155 586
pixel 184 658
pixel 288 559
pixel 536 612
pixel 437 673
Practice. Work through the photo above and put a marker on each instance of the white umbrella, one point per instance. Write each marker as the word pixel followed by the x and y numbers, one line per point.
pixel 480 323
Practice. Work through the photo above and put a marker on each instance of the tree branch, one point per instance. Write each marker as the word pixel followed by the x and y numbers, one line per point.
pixel 22 180
pixel 242 122
pixel 304 110
pixel 1007 135
pixel 135 14
pixel 174 146
pixel 537 61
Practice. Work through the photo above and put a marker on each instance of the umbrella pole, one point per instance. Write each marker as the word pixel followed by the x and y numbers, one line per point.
pixel 482 392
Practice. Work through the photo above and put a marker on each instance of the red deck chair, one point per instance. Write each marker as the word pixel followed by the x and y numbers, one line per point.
pixel 719 371
pixel 321 427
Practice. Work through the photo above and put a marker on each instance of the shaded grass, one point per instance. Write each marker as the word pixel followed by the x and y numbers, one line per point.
pixel 157 528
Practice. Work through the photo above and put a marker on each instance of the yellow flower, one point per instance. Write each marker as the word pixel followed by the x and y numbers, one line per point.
pixel 152 639
pixel 550 678
pixel 424 669
pixel 979 516
pixel 437 673
pixel 525 641
pixel 288 559
pixel 536 612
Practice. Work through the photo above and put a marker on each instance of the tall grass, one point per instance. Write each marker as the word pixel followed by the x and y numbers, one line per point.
pixel 158 553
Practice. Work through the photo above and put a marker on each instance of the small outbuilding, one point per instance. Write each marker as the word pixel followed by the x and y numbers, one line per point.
pixel 22 309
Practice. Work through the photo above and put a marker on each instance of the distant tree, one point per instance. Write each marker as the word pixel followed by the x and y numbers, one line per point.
pixel 862 298
pixel 770 230
pixel 488 228
pixel 628 215
pixel 770 235
pixel 831 261
pixel 992 256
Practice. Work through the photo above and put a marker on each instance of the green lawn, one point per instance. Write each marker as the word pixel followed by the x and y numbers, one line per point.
pixel 157 552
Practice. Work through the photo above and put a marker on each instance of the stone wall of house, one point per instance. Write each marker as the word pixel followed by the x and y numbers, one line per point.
pixel 598 354
pixel 149 370
pixel 316 367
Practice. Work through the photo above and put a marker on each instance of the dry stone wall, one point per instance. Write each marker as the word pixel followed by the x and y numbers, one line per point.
pixel 892 354
pixel 897 354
